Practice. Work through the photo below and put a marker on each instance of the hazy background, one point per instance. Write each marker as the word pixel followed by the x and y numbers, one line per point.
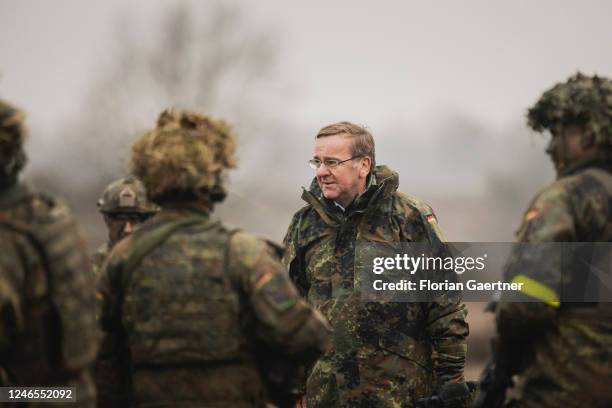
pixel 443 86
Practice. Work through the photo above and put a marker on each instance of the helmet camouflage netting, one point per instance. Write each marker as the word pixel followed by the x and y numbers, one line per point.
pixel 12 131
pixel 582 100
pixel 186 153
pixel 12 136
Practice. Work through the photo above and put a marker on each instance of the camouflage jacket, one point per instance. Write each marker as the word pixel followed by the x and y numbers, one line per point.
pixel 384 354
pixel 561 347
pixel 98 258
pixel 199 310
pixel 48 331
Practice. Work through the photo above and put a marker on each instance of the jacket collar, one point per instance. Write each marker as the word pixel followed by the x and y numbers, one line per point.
pixel 601 159
pixel 179 210
pixel 381 183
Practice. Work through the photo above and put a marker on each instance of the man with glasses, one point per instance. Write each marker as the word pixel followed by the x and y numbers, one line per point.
pixel 201 315
pixel 383 354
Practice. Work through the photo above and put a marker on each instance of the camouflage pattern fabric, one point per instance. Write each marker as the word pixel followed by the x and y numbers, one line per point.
pixel 565 349
pixel 48 331
pixel 384 354
pixel 12 132
pixel 581 100
pixel 105 367
pixel 186 153
pixel 196 310
pixel 98 258
pixel 126 195
pixel 12 137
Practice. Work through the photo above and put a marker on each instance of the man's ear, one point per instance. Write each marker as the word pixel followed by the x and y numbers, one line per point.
pixel 588 138
pixel 366 166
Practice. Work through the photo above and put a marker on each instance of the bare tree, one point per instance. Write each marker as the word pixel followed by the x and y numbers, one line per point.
pixel 213 61
pixel 214 65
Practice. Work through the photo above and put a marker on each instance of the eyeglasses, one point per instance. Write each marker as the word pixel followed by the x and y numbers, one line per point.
pixel 329 163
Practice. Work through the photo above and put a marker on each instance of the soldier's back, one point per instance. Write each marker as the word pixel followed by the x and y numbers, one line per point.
pixel 49 335
pixel 190 296
pixel 571 363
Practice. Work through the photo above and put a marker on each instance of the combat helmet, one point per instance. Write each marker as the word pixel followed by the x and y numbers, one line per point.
pixel 184 157
pixel 126 195
pixel 582 100
pixel 12 138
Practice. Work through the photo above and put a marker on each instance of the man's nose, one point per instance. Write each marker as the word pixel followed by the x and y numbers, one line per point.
pixel 322 171
pixel 128 228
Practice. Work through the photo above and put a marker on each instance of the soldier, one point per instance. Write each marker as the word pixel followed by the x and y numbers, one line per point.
pixel 124 206
pixel 197 307
pixel 384 354
pixel 561 351
pixel 47 322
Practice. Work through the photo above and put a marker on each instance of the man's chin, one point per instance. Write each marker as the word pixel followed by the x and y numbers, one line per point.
pixel 330 195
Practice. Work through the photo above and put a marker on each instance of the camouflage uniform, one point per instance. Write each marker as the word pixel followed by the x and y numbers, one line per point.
pixel 202 312
pixel 563 349
pixel 98 257
pixel 47 325
pixel 384 354
pixel 124 196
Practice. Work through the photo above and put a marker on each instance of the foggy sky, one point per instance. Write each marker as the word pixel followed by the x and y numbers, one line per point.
pixel 370 62
pixel 442 85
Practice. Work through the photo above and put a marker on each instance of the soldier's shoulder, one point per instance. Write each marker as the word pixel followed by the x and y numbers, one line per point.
pixel 32 221
pixel 299 221
pixel 117 256
pixel 589 194
pixel 411 204
pixel 303 213
pixel 33 206
pixel 552 197
pixel 588 183
pixel 415 210
pixel 45 219
pixel 555 191
pixel 575 187
pixel 246 248
pixel 549 215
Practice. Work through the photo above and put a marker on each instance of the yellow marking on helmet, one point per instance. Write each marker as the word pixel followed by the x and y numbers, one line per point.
pixel 263 280
pixel 535 289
